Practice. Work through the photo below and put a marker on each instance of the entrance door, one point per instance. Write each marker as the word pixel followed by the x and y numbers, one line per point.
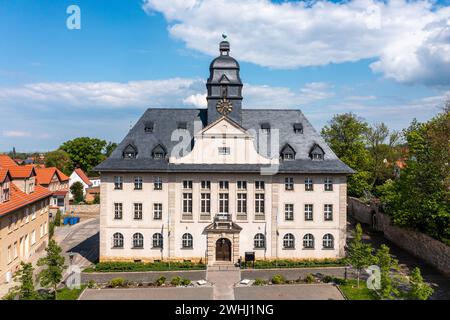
pixel 223 250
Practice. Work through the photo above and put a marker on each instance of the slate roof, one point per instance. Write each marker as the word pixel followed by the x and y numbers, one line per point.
pixel 165 123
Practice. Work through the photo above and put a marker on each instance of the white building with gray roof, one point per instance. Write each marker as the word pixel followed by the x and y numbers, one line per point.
pixel 212 184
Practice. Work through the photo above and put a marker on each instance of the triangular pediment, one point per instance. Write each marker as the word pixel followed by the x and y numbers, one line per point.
pixel 224 126
pixel 224 79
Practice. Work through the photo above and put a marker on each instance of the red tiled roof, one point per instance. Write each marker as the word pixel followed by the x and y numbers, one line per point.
pixel 62 176
pixel 6 161
pixel 21 172
pixel 83 176
pixel 20 199
pixel 4 172
pixel 44 175
pixel 60 192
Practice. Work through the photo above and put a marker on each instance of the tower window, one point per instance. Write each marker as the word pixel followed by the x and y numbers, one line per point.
pixel 182 125
pixel 148 126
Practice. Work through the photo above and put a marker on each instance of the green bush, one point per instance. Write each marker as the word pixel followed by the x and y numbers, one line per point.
pixel 286 263
pixel 278 279
pixel 141 266
pixel 91 284
pixel 259 282
pixel 117 282
pixel 160 281
pixel 51 229
pixel 327 279
pixel 185 282
pixel 309 278
pixel 57 221
pixel 176 281
pixel 340 281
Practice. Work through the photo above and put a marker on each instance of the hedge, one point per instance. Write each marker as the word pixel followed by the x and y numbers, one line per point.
pixel 141 266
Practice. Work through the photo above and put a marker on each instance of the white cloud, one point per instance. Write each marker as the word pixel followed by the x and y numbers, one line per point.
pixel 408 39
pixel 197 100
pixel 15 134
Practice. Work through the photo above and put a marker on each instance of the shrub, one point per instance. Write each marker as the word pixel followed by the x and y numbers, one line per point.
pixel 176 281
pixel 340 281
pixel 327 279
pixel 51 229
pixel 309 278
pixel 160 281
pixel 57 221
pixel 278 279
pixel 259 282
pixel 91 284
pixel 185 282
pixel 117 282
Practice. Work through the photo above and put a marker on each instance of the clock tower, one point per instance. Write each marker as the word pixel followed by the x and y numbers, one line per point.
pixel 224 87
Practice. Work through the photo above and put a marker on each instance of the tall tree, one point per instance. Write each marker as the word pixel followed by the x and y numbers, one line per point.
pixel 77 191
pixel 85 152
pixel 25 291
pixel 52 275
pixel 345 134
pixel 360 255
pixel 59 159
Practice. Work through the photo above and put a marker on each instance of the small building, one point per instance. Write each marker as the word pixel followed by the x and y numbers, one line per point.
pixel 57 182
pixel 78 175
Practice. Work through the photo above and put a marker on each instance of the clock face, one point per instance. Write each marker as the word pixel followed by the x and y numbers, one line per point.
pixel 224 107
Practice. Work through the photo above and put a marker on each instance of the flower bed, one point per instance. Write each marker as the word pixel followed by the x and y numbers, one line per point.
pixel 272 264
pixel 141 266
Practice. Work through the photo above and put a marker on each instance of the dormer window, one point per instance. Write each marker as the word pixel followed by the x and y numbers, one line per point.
pixel 298 128
pixel 130 152
pixel 159 152
pixel 182 125
pixel 265 127
pixel 287 153
pixel 316 153
pixel 149 126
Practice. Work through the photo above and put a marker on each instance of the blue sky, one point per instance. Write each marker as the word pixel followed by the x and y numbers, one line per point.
pixel 385 61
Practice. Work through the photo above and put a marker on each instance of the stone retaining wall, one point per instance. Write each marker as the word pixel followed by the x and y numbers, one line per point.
pixel 296 273
pixel 92 209
pixel 144 277
pixel 416 243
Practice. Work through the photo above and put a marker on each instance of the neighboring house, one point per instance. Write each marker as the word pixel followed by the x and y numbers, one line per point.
pixel 95 181
pixel 219 193
pixel 24 208
pixel 78 175
pixel 91 193
pixel 57 182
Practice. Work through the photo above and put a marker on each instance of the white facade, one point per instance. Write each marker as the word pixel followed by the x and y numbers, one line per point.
pixel 74 177
pixel 274 223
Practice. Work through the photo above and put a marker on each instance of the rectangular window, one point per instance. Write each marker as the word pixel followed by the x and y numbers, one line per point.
pixel 223 185
pixel 157 211
pixel 33 237
pixel 205 203
pixel 138 211
pixel 223 151
pixel 157 183
pixel 328 212
pixel 242 185
pixel 309 184
pixel 259 185
pixel 118 211
pixel 187 202
pixel 118 183
pixel 328 184
pixel 259 203
pixel 289 212
pixel 9 254
pixel 187 184
pixel 137 183
pixel 242 203
pixel 289 183
pixel 33 212
pixel 15 250
pixel 308 212
pixel 41 230
pixel 223 202
pixel 205 184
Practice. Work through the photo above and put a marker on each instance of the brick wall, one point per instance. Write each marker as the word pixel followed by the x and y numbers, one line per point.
pixel 93 209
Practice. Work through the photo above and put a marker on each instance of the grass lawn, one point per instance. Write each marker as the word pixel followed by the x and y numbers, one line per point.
pixel 69 294
pixel 352 292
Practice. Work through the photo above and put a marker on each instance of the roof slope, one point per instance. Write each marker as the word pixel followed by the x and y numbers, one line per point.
pixel 19 199
pixel 6 161
pixel 165 129
pixel 83 176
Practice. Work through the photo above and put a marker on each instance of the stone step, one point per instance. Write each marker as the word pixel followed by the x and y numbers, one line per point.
pixel 223 267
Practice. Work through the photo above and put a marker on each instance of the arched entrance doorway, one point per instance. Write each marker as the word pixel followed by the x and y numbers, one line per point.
pixel 223 250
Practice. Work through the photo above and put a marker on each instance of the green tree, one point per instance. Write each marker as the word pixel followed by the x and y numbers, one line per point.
pixel 360 255
pixel 345 134
pixel 420 198
pixel 96 198
pixel 388 265
pixel 52 275
pixel 419 289
pixel 85 152
pixel 110 147
pixel 25 291
pixel 77 191
pixel 59 159
pixel 58 218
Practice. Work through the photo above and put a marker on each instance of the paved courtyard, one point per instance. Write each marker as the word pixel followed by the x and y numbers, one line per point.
pixel 149 294
pixel 289 292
